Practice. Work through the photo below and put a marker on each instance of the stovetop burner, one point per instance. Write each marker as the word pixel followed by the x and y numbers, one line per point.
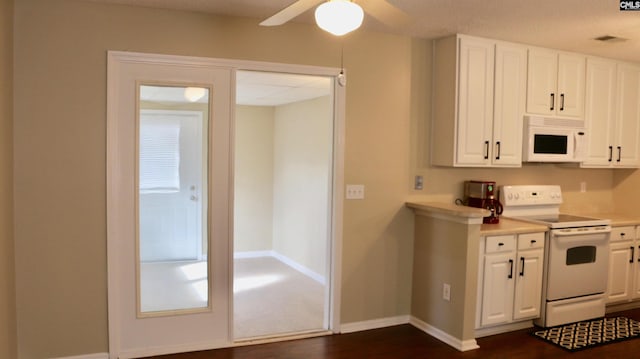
pixel 541 204
pixel 563 220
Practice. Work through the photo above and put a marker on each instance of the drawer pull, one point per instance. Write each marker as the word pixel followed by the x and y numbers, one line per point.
pixel 533 241
pixel 500 244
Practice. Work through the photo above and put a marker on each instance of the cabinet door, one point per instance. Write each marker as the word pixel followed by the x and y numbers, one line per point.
pixel 570 95
pixel 528 285
pixel 620 266
pixel 636 273
pixel 600 112
pixel 475 102
pixel 497 289
pixel 509 104
pixel 542 76
pixel 626 152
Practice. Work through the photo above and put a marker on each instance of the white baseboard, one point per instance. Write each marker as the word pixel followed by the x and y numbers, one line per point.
pixel 461 345
pixel 373 324
pixel 499 329
pixel 87 356
pixel 284 259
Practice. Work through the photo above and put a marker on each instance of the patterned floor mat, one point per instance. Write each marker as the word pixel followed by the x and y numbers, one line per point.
pixel 586 334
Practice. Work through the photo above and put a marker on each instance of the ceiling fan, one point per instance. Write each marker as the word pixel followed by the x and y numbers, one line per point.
pixel 339 16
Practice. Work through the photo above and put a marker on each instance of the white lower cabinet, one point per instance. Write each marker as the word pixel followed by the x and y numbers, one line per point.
pixel 510 287
pixel 624 265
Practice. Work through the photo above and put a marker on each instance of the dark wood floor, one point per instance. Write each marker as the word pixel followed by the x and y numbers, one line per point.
pixel 405 341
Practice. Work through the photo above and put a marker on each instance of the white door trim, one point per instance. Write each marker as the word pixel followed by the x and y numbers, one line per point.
pixel 335 266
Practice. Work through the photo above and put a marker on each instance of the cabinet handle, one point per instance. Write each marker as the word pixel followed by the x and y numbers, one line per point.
pixel 632 254
pixel 610 153
pixel 500 244
pixel 638 252
pixel 498 150
pixel 561 102
pixel 619 153
pixel 533 241
pixel 553 100
pixel 522 266
pixel 486 150
pixel 511 270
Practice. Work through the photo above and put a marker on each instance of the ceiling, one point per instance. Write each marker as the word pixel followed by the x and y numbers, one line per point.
pixel 570 25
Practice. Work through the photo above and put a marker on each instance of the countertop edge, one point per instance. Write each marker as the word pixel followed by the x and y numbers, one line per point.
pixel 448 209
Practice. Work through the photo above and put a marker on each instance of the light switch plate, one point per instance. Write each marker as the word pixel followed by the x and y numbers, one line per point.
pixel 355 191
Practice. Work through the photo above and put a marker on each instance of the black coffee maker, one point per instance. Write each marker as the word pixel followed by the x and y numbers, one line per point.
pixel 483 194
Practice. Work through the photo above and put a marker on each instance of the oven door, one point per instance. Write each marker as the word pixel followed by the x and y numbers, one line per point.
pixel 578 262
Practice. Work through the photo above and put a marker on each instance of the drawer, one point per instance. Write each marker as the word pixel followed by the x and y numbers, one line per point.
pixel 625 233
pixel 500 244
pixel 531 240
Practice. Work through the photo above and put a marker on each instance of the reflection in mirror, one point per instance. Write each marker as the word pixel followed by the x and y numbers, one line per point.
pixel 173 268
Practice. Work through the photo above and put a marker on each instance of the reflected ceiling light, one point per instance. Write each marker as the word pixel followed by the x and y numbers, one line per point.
pixel 339 17
pixel 193 94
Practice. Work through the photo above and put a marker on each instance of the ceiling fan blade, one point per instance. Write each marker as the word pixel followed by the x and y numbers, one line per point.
pixel 290 12
pixel 386 13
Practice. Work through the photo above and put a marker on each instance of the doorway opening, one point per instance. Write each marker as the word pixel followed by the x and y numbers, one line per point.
pixel 283 194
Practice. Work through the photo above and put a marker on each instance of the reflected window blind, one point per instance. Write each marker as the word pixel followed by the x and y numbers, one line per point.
pixel 159 155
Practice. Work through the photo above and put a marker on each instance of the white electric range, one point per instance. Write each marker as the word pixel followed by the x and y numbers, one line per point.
pixel 576 254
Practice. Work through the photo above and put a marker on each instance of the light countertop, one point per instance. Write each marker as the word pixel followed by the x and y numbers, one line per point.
pixel 617 219
pixel 511 226
pixel 449 209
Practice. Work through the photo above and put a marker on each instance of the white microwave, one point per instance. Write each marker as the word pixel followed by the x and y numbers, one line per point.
pixel 553 140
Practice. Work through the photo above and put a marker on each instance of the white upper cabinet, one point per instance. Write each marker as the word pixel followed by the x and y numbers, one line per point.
pixel 510 86
pixel 627 148
pixel 556 83
pixel 612 114
pixel 479 99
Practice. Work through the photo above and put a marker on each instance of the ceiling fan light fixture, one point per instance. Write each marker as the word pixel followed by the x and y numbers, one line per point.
pixel 339 17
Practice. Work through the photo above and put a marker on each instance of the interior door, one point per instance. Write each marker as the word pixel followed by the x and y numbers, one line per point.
pixel 133 330
pixel 169 200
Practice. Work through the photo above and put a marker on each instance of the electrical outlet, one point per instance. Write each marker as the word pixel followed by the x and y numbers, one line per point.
pixel 583 187
pixel 446 292
pixel 419 183
pixel 355 191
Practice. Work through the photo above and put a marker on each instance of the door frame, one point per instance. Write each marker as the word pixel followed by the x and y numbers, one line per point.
pixel 337 170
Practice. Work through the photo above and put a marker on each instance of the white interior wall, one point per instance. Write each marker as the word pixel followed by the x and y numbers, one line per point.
pixel 302 163
pixel 253 207
pixel 282 176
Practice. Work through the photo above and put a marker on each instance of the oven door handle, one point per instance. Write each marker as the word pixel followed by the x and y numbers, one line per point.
pixel 581 231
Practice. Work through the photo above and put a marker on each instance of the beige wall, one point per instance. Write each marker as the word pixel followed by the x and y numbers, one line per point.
pixel 7 272
pixel 59 155
pixel 253 187
pixel 627 192
pixel 302 165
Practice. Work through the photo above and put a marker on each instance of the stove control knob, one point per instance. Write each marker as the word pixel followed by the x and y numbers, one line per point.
pixel 517 195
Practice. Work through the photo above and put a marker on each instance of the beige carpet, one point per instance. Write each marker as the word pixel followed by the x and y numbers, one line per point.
pixel 272 298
